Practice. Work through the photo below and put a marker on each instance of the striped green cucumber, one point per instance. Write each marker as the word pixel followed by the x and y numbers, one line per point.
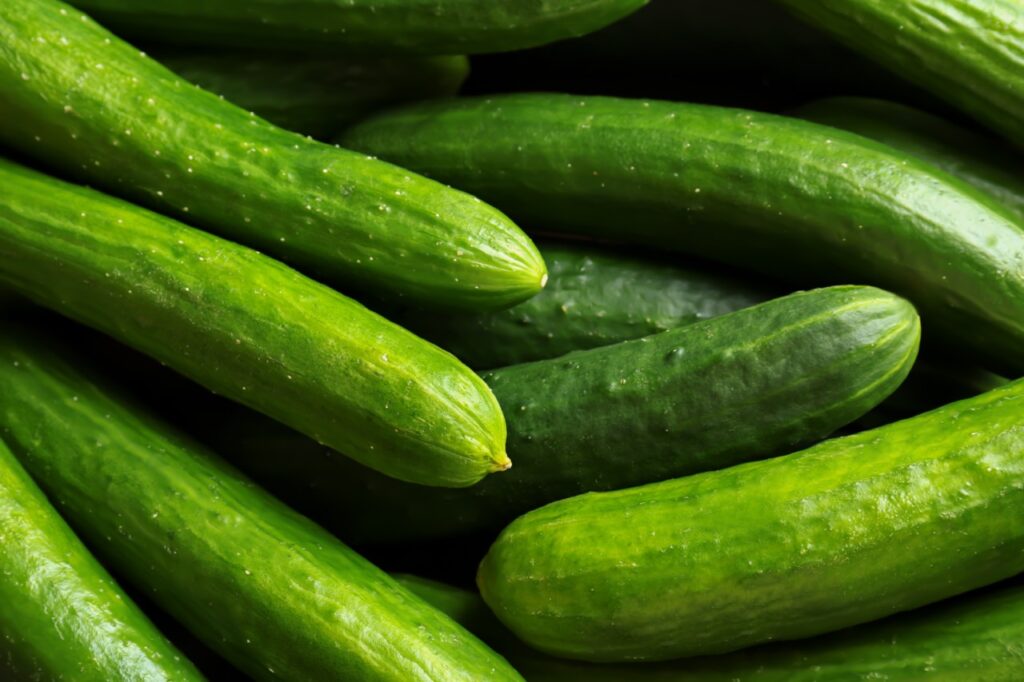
pixel 76 97
pixel 845 532
pixel 251 329
pixel 269 590
pixel 361 26
pixel 754 383
pixel 594 297
pixel 783 196
pixel 63 616
pixel 969 52
pixel 975 158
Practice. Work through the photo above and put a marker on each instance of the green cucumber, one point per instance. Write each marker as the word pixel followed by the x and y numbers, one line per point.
pixel 63 616
pixel 974 158
pixel 787 197
pixel 361 26
pixel 77 98
pixel 754 383
pixel 269 590
pixel 969 52
pixel 316 96
pixel 594 297
pixel 251 329
pixel 842 533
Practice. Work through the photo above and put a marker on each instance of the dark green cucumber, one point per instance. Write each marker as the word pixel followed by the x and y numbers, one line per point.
pixel 594 297
pixel 269 590
pixel 969 52
pixel 754 383
pixel 974 158
pixel 845 532
pixel 251 329
pixel 316 96
pixel 76 97
pixel 361 26
pixel 63 616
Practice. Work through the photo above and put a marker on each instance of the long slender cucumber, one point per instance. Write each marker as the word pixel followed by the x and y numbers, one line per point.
pixel 845 532
pixel 272 592
pixel 77 98
pixel 251 329
pixel 783 196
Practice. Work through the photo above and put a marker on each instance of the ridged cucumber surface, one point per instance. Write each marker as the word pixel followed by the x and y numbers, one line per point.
pixel 269 590
pixel 79 99
pixel 845 532
pixel 779 195
pixel 63 616
pixel 251 329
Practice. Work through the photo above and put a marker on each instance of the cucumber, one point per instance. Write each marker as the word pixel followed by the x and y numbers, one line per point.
pixel 750 384
pixel 269 590
pixel 361 26
pixel 251 329
pixel 845 532
pixel 63 616
pixel 807 202
pixel 316 96
pixel 74 96
pixel 969 52
pixel 594 297
pixel 976 159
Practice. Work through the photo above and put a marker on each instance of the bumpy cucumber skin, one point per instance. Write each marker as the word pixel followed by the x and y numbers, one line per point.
pixel 976 159
pixel 251 329
pixel 63 616
pixel 269 590
pixel 593 298
pixel 969 52
pixel 317 96
pixel 362 26
pixel 845 532
pixel 806 202
pixel 76 97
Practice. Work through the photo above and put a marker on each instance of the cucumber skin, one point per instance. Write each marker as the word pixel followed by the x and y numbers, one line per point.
pixel 63 616
pixel 316 96
pixel 969 52
pixel 251 329
pixel 86 103
pixel 755 383
pixel 594 297
pixel 809 203
pixel 388 27
pixel 226 559
pixel 976 159
pixel 845 532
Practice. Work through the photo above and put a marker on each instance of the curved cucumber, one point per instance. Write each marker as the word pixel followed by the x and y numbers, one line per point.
pixel 76 97
pixel 750 384
pixel 845 532
pixel 63 616
pixel 594 297
pixel 976 159
pixel 251 329
pixel 779 195
pixel 269 590
pixel 361 26
pixel 969 52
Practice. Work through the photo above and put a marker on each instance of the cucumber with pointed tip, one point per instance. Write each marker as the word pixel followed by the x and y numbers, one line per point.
pixel 848 531
pixel 969 52
pixel 251 329
pixel 266 588
pixel 779 195
pixel 974 158
pixel 77 98
pixel 63 616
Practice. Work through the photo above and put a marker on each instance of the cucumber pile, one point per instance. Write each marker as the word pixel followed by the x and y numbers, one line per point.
pixel 365 340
